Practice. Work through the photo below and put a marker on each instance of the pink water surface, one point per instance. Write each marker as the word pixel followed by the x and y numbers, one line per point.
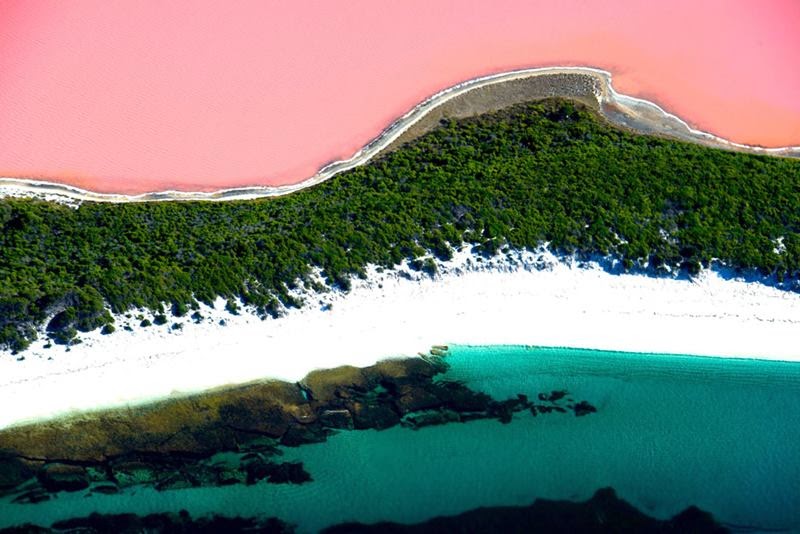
pixel 134 96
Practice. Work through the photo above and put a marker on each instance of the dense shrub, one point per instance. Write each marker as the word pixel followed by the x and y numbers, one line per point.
pixel 544 172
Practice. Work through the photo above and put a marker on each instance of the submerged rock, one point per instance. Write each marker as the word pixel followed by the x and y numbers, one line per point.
pixel 303 435
pixel 13 471
pixel 603 513
pixel 105 489
pixel 33 496
pixel 177 480
pixel 169 445
pixel 180 522
pixel 63 477
pixel 430 418
pixel 132 472
pixel 583 408
pixel 459 398
pixel 276 473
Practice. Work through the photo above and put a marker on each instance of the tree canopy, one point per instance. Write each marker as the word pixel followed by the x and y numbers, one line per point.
pixel 546 172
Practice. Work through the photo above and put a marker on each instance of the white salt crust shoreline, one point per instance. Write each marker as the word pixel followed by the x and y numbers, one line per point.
pixel 539 301
pixel 627 111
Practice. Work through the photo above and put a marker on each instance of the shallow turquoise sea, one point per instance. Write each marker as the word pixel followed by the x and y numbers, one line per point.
pixel 670 431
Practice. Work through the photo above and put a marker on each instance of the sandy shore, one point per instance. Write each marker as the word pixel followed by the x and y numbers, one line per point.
pixel 581 83
pixel 538 301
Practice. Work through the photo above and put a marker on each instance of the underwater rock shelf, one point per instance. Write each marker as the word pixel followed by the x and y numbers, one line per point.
pixel 173 444
pixel 604 512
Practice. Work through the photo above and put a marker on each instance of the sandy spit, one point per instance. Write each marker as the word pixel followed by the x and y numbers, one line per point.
pixel 630 112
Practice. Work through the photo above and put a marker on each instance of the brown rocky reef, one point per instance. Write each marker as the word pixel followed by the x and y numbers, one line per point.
pixel 175 444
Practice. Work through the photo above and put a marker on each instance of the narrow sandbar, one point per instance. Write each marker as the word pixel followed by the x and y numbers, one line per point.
pixel 473 97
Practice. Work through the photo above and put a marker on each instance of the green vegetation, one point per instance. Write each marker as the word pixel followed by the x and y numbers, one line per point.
pixel 544 172
pixel 426 265
pixel 179 309
pixel 232 307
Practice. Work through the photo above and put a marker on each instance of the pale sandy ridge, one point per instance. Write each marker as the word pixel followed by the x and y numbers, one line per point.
pixel 530 299
pixel 627 111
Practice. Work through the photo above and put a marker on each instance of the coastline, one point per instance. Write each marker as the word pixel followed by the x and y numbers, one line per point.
pixel 624 111
pixel 526 299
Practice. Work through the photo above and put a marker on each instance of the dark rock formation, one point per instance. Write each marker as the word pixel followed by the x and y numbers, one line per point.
pixel 170 445
pixel 63 477
pixel 180 523
pixel 336 419
pixel 415 399
pixel 13 470
pixel 33 496
pixel 461 399
pixel 554 396
pixel 603 513
pixel 378 415
pixel 276 473
pixel 430 418
pixel 583 408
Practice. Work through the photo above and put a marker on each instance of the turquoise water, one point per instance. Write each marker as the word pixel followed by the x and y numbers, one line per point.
pixel 670 431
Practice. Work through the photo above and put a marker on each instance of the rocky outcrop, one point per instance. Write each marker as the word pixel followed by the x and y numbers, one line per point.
pixel 277 473
pixel 171 445
pixel 56 477
pixel 14 470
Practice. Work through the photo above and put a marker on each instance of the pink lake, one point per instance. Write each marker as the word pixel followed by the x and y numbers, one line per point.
pixel 129 97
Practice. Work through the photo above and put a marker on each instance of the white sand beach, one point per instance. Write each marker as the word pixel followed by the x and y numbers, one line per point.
pixel 538 301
